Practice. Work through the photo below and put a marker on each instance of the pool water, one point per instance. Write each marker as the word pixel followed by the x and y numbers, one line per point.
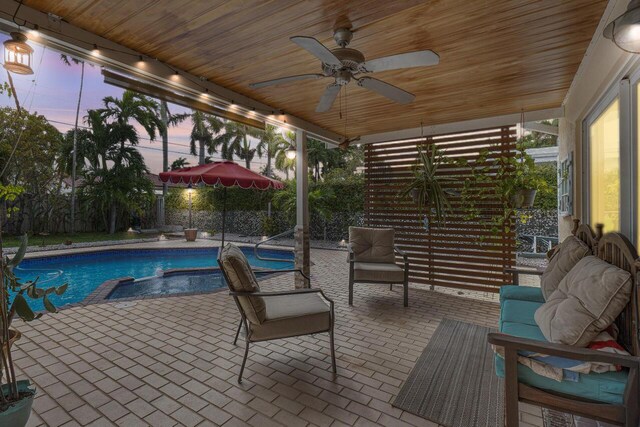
pixel 170 285
pixel 85 272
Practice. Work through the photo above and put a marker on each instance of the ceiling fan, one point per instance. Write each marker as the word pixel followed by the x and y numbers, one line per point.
pixel 344 64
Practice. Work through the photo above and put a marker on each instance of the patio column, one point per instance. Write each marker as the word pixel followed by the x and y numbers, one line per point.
pixel 301 236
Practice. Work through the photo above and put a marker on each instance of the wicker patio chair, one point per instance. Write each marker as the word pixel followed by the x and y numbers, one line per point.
pixel 372 259
pixel 269 316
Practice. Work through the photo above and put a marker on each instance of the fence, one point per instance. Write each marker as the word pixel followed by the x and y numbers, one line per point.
pixel 251 223
pixel 460 253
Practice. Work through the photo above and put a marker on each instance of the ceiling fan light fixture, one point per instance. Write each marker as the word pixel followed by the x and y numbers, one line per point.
pixel 624 31
pixel 18 54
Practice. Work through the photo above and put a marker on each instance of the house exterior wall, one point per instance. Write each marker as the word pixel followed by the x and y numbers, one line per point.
pixel 602 67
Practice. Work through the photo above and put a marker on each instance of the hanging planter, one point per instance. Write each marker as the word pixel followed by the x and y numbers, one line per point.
pixel 524 199
pixel 425 188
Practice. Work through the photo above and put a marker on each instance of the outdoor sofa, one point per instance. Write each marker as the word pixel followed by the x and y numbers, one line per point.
pixel 610 396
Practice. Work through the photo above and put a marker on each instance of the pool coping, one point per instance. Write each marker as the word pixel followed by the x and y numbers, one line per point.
pixel 137 247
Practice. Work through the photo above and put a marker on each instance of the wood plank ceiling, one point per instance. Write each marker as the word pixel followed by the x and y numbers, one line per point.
pixel 496 56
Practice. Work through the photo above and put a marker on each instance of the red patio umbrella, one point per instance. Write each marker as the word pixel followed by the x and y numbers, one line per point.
pixel 225 174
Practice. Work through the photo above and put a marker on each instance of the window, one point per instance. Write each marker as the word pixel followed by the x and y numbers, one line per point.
pixel 604 167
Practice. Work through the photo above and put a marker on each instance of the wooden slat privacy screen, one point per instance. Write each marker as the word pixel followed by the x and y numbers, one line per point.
pixel 459 253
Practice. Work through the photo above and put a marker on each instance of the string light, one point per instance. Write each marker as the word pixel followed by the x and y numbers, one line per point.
pixel 96 49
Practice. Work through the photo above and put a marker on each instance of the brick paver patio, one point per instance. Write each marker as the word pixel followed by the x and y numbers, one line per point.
pixel 170 361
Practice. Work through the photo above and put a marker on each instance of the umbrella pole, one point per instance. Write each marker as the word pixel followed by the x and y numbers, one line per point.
pixel 224 213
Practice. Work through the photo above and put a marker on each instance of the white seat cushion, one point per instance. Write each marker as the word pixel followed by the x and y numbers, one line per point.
pixel 292 315
pixel 378 272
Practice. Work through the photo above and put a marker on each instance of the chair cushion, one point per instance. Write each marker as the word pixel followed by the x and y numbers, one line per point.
pixel 522 312
pixel 567 255
pixel 586 302
pixel 372 244
pixel 292 315
pixel 607 387
pixel 521 293
pixel 242 279
pixel 377 272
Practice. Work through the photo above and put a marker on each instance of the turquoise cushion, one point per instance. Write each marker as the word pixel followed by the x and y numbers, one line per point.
pixel 522 330
pixel 607 387
pixel 522 293
pixel 519 312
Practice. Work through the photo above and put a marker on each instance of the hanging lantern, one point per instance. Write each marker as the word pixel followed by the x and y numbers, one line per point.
pixel 18 54
pixel 624 31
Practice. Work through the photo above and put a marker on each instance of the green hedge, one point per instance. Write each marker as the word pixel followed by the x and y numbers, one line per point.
pixel 208 198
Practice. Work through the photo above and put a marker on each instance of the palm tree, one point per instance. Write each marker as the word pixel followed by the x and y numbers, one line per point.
pixel 235 140
pixel 133 107
pixel 282 162
pixel 317 154
pixel 205 128
pixel 114 176
pixel 118 113
pixel 66 60
pixel 168 120
pixel 271 143
pixel 179 163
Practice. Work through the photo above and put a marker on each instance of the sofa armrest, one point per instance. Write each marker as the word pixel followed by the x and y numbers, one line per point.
pixel 517 271
pixel 510 342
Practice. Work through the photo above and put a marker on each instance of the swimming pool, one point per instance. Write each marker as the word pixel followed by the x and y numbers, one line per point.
pixel 85 272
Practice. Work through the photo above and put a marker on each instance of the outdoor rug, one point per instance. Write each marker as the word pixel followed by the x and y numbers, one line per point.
pixel 453 382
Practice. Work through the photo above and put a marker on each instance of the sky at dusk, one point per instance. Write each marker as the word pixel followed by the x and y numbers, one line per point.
pixel 52 91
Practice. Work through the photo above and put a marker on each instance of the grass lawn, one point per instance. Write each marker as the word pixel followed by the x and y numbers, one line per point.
pixel 56 239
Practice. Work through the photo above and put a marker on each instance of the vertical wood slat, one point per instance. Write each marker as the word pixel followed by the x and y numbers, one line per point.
pixel 462 253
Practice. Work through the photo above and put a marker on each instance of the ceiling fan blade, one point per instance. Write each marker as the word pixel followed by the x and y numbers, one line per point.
pixel 317 49
pixel 420 58
pixel 385 89
pixel 328 97
pixel 345 144
pixel 285 80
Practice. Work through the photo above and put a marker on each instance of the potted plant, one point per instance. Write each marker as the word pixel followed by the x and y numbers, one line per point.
pixel 513 179
pixel 425 187
pixel 521 181
pixel 16 396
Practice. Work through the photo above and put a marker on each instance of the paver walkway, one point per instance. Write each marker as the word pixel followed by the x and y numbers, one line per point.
pixel 171 361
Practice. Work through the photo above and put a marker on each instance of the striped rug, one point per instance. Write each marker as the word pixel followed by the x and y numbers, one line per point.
pixel 453 382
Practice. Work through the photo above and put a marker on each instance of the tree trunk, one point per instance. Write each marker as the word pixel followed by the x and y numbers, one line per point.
pixel 165 141
pixel 165 156
pixel 246 147
pixel 268 163
pixel 74 161
pixel 201 156
pixel 113 216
